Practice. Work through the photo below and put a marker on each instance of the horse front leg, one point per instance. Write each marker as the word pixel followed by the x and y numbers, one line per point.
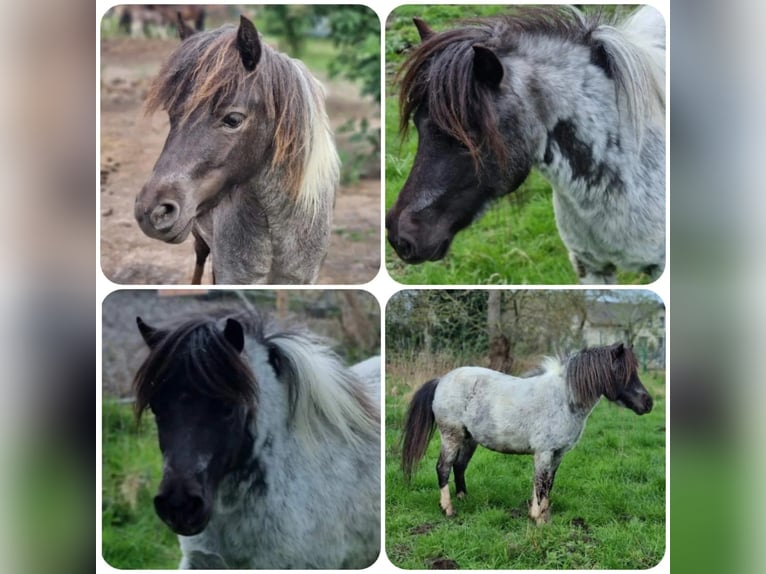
pixel 589 275
pixel 199 560
pixel 546 464
pixel 201 251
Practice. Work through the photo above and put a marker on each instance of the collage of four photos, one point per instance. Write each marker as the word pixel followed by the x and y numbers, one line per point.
pixel 356 259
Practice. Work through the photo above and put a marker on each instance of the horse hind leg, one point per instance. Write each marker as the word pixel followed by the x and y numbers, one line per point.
pixel 451 442
pixel 461 463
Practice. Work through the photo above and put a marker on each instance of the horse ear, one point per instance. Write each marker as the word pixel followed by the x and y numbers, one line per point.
pixel 234 334
pixel 618 349
pixel 149 334
pixel 248 44
pixel 487 67
pixel 424 29
pixel 184 31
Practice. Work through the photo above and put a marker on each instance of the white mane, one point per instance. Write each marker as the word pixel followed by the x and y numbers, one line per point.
pixel 637 50
pixel 327 396
pixel 321 170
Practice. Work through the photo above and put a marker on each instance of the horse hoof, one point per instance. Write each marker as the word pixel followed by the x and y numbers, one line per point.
pixel 449 512
pixel 461 495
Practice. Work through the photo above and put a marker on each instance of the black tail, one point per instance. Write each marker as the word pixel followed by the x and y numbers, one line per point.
pixel 419 427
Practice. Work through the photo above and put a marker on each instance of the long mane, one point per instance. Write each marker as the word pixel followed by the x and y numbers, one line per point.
pixel 197 351
pixel 594 372
pixel 205 70
pixel 325 396
pixel 438 73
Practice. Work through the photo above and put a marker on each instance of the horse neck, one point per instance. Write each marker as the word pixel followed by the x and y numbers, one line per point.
pixel 581 139
pixel 578 408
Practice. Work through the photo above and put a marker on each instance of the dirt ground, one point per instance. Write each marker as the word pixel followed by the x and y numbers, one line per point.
pixel 131 143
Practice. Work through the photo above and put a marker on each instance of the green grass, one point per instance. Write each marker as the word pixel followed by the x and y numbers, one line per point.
pixel 608 502
pixel 133 535
pixel 516 242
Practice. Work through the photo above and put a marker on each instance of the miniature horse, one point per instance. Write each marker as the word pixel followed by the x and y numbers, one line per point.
pixel 249 167
pixel 270 445
pixel 542 415
pixel 580 98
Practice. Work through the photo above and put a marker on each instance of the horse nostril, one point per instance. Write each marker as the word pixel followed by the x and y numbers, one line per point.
pixel 195 505
pixel 164 215
pixel 405 248
pixel 179 506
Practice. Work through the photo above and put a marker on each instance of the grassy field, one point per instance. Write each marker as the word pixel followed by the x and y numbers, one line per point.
pixel 516 242
pixel 133 535
pixel 608 502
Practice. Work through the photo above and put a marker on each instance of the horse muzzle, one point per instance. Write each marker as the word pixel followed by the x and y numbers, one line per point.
pixel 640 405
pixel 161 219
pixel 183 507
pixel 411 248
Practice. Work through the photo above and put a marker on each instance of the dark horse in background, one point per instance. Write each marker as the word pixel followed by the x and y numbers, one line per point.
pixel 135 19
pixel 249 167
pixel 580 98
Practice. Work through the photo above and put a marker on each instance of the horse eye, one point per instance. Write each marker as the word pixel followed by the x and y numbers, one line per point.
pixel 233 120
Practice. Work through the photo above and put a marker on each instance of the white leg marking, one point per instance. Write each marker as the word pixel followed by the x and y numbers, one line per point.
pixel 445 502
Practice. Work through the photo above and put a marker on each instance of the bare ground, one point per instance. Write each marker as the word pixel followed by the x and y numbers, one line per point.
pixel 131 142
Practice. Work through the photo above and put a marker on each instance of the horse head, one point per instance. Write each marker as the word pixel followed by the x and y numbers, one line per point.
pixel 209 89
pixel 456 92
pixel 202 397
pixel 628 390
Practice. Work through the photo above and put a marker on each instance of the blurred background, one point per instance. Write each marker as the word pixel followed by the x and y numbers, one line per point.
pixel 339 44
pixel 132 534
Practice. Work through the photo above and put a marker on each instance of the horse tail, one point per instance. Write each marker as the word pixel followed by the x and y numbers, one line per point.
pixel 419 427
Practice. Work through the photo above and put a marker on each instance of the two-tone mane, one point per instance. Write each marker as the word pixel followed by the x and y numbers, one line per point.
pixel 249 165
pixel 580 98
pixel 205 70
pixel 270 444
pixel 324 395
pixel 439 72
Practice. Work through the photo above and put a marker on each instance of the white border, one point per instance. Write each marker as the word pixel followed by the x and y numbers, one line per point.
pixel 382 286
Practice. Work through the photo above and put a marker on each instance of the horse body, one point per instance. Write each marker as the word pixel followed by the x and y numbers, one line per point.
pixel 301 488
pixel 249 166
pixel 543 415
pixel 582 101
pixel 496 410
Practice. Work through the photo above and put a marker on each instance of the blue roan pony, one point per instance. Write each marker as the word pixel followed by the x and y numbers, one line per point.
pixel 270 446
pixel 543 414
pixel 578 97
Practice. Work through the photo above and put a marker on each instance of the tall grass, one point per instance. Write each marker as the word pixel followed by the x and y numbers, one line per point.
pixel 608 502
pixel 132 534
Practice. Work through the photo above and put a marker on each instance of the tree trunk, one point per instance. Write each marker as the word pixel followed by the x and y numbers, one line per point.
pixel 500 358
